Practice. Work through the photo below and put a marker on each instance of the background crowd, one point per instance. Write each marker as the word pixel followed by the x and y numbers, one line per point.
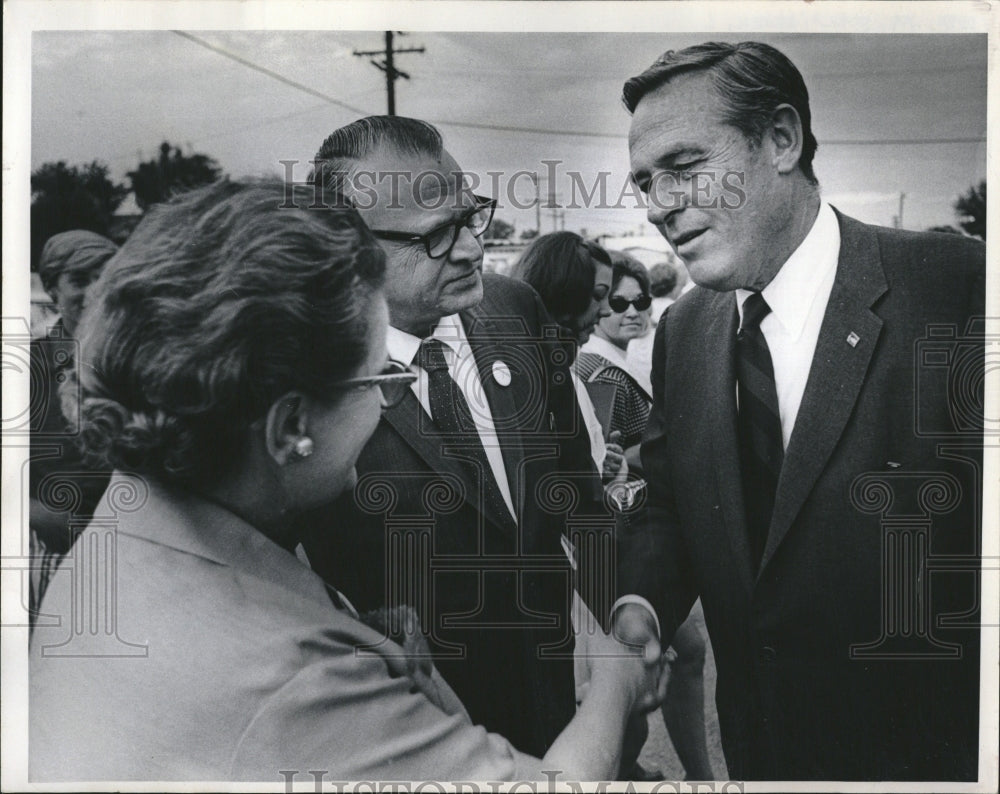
pixel 395 517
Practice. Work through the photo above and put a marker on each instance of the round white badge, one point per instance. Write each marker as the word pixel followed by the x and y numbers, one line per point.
pixel 501 373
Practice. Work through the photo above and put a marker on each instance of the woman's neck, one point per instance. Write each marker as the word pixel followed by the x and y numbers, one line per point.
pixel 257 506
pixel 599 332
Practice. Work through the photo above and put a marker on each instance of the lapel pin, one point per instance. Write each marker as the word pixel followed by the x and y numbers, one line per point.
pixel 501 373
pixel 853 339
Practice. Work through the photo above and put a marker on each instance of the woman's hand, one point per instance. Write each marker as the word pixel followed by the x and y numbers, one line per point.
pixel 634 461
pixel 615 469
pixel 639 670
pixel 623 682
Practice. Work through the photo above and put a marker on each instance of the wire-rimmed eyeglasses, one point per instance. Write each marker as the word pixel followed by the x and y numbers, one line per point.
pixel 439 241
pixel 394 381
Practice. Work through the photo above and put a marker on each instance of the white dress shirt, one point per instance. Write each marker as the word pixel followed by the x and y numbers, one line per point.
pixel 403 347
pixel 798 296
pixel 598 447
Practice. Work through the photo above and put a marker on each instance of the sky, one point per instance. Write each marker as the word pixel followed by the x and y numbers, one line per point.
pixel 893 113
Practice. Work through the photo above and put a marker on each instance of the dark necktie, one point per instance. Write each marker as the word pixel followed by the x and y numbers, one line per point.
pixel 761 449
pixel 451 413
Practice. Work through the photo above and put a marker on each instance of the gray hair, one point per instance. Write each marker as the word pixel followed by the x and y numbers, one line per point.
pixel 347 145
pixel 752 79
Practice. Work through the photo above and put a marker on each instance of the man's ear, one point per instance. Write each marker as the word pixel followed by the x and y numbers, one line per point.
pixel 786 138
pixel 285 426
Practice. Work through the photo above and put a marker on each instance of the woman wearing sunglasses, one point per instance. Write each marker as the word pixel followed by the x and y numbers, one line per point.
pixel 602 359
pixel 232 368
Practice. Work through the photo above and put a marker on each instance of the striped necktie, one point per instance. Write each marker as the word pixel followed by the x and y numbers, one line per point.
pixel 761 447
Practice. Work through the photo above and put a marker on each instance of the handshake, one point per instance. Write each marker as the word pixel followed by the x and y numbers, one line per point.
pixel 629 661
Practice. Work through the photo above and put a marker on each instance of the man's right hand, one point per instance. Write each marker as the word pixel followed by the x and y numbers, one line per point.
pixel 633 626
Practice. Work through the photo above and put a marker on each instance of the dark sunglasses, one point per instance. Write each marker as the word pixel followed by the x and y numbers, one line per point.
pixel 394 381
pixel 439 241
pixel 619 304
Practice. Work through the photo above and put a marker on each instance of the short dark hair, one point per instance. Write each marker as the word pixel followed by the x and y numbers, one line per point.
pixel 80 253
pixel 561 267
pixel 662 279
pixel 221 300
pixel 623 265
pixel 752 79
pixel 347 145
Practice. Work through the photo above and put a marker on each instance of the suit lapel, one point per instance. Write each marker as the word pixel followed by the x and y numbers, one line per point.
pixel 419 431
pixel 506 401
pixel 836 375
pixel 720 394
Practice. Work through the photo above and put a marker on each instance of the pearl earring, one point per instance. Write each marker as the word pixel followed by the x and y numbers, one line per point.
pixel 303 448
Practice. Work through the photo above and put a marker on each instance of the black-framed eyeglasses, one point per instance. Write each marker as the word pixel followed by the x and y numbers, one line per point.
pixel 394 381
pixel 620 305
pixel 439 241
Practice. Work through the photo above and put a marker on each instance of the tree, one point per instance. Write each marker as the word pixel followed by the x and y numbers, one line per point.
pixel 65 197
pixel 500 230
pixel 971 210
pixel 172 172
pixel 945 229
pixel 529 234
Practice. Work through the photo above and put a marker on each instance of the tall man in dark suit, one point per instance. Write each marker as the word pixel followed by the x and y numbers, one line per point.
pixel 468 486
pixel 813 453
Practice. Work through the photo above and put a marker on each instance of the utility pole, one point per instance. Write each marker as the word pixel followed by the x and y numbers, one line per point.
pixel 538 205
pixel 388 66
pixel 558 214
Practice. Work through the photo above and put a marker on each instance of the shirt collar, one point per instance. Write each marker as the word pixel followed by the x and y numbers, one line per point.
pixel 793 291
pixel 605 349
pixel 403 346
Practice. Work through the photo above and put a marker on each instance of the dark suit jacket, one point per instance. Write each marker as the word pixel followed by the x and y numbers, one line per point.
pixel 494 597
pixel 852 652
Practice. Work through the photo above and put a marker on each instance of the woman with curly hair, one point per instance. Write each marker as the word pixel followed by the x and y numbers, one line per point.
pixel 232 367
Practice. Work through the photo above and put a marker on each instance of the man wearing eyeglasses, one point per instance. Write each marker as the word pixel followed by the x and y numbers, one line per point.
pixel 467 486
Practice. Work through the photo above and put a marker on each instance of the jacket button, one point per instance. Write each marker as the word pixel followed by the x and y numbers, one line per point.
pixel 768 654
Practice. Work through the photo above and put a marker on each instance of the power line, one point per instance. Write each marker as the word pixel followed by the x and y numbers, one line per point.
pixel 900 141
pixel 605 75
pixel 899 72
pixel 540 130
pixel 392 74
pixel 270 73
pixel 259 125
pixel 622 136
pixel 529 130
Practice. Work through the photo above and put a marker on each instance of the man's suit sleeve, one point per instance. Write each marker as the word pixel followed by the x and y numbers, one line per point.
pixel 593 537
pixel 653 559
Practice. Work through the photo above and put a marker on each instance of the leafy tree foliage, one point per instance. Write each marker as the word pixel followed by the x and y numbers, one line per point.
pixel 945 229
pixel 66 197
pixel 971 209
pixel 500 230
pixel 170 173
